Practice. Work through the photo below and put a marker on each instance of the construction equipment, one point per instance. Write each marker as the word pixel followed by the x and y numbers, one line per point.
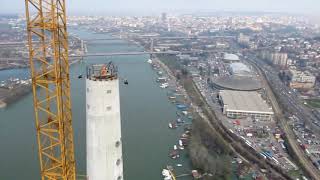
pixel 48 51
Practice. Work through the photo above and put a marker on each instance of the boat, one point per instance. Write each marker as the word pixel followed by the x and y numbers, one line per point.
pixel 172 97
pixel 196 174
pixel 166 174
pixel 175 147
pixel 162 80
pixel 179 121
pixel 149 61
pixel 184 135
pixel 174 154
pixel 184 141
pixel 179 165
pixel 155 67
pixel 181 107
pixel 180 142
pixel 164 85
pixel 172 125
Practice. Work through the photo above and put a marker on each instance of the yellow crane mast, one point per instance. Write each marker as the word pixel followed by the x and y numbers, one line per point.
pixel 48 51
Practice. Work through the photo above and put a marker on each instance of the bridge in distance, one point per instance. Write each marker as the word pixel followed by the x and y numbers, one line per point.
pixel 140 37
pixel 10 60
pixel 144 52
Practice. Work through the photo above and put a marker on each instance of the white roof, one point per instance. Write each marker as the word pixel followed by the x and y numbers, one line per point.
pixel 231 57
pixel 244 101
pixel 240 69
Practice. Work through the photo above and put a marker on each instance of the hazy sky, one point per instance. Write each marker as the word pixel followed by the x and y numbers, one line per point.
pixel 156 6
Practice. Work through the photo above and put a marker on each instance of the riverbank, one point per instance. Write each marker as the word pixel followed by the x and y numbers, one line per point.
pixel 8 67
pixel 16 91
pixel 2 104
pixel 9 96
pixel 206 149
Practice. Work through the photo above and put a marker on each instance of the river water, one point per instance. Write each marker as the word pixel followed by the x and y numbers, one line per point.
pixel 145 114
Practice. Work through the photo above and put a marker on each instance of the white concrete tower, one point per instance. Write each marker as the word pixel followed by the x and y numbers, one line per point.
pixel 104 146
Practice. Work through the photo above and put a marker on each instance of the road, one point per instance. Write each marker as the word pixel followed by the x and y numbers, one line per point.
pixel 289 98
pixel 298 152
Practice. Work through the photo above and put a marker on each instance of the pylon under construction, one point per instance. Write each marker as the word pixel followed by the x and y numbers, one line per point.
pixel 104 146
pixel 48 51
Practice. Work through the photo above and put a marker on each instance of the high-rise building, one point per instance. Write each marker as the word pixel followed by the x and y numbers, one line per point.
pixel 279 59
pixel 276 58
pixel 104 146
pixel 243 39
pixel 164 17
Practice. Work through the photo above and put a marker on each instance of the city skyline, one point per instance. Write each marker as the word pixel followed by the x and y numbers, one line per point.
pixel 143 7
pixel 126 90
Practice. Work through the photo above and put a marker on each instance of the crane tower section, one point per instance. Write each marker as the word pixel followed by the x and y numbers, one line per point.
pixel 104 146
pixel 48 56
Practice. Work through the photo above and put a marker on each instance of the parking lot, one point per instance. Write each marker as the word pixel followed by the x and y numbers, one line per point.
pixel 308 141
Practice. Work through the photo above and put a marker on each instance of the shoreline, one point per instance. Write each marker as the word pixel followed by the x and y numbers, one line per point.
pixel 10 68
pixel 17 93
pixel 2 104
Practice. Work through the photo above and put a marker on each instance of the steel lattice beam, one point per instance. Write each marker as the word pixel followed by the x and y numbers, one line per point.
pixel 48 51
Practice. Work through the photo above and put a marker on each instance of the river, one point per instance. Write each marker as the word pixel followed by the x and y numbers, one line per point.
pixel 145 114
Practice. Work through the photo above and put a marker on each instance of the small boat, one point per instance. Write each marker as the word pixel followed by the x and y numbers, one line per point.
pixel 196 174
pixel 179 121
pixel 80 76
pixel 184 135
pixel 172 97
pixel 180 142
pixel 175 147
pixel 174 154
pixel 164 85
pixel 166 174
pixel 179 165
pixel 149 61
pixel 181 147
pixel 185 112
pixel 172 125
pixel 185 141
pixel 126 82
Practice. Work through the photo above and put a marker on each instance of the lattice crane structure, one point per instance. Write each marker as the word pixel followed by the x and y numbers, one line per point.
pixel 48 51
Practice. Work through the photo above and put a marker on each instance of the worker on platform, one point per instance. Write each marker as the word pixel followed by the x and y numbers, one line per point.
pixel 104 71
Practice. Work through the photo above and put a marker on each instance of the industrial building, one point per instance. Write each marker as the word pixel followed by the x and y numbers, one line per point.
pixel 104 147
pixel 242 104
pixel 240 69
pixel 241 78
pixel 230 58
